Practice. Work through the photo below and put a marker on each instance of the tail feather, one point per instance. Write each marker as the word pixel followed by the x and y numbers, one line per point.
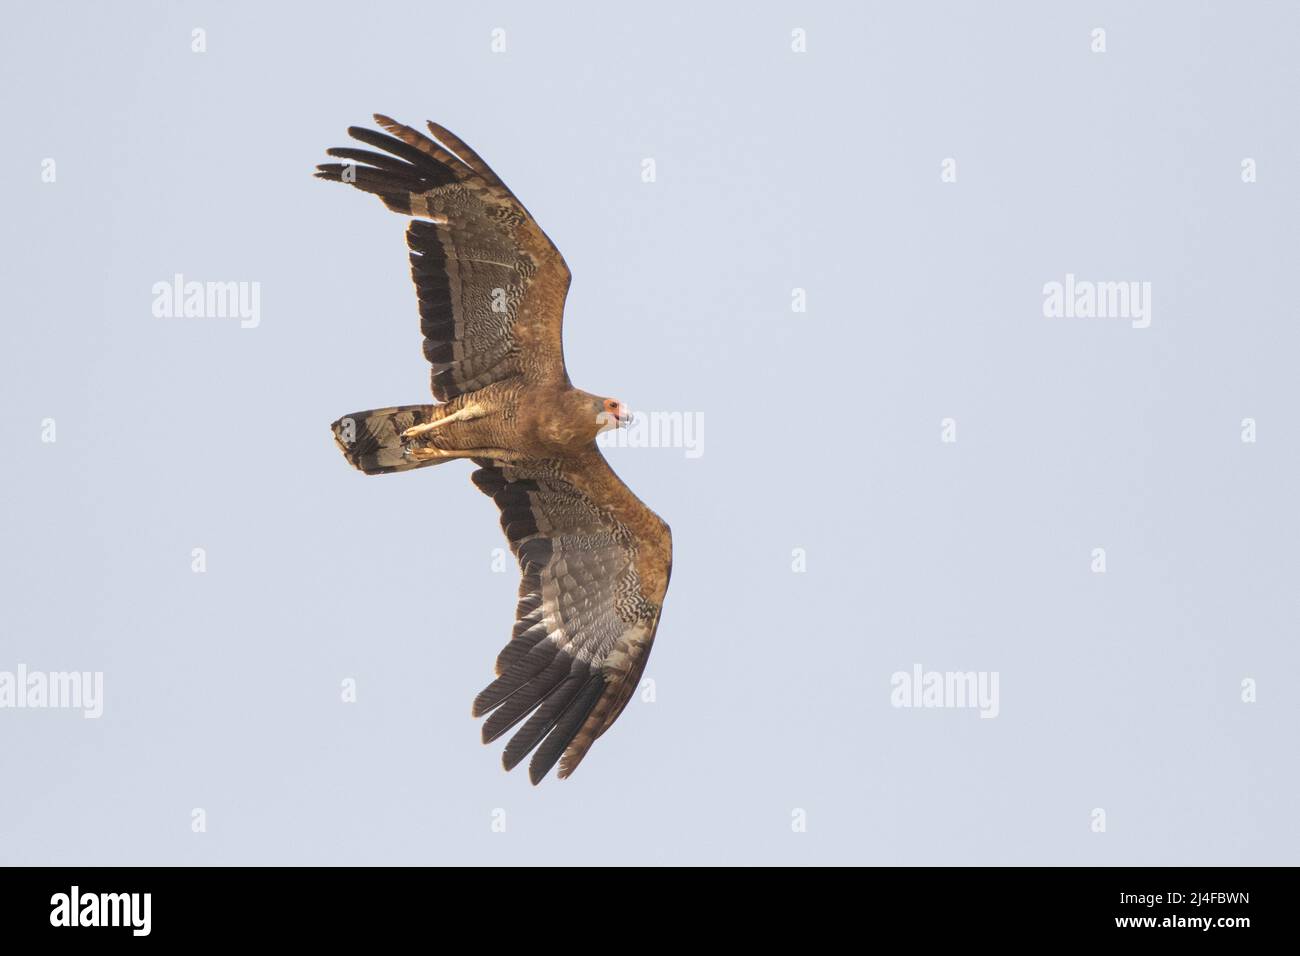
pixel 372 440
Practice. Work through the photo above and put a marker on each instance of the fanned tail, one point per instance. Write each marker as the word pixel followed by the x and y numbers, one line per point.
pixel 372 441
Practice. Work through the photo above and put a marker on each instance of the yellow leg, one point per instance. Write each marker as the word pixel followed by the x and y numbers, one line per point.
pixel 465 414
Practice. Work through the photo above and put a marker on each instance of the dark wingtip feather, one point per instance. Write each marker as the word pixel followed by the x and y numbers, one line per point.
pixel 554 722
pixel 539 670
pixel 520 694
pixel 550 711
pixel 566 727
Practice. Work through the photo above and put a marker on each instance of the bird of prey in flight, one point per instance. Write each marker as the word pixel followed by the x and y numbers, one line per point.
pixel 595 560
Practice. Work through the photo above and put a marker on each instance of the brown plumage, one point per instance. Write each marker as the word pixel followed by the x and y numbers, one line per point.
pixel 595 560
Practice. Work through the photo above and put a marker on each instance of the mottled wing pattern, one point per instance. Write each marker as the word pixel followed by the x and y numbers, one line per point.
pixel 595 565
pixel 491 285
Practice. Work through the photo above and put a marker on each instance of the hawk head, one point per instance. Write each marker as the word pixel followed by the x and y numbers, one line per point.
pixel 611 413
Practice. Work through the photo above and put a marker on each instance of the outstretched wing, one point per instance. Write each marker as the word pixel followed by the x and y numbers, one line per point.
pixel 595 564
pixel 490 283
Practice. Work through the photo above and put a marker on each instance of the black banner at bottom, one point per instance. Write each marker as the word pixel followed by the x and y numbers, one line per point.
pixel 374 904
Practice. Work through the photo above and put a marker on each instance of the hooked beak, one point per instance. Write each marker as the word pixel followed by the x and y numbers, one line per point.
pixel 615 416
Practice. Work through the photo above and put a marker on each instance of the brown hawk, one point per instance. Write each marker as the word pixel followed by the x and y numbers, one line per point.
pixel 595 560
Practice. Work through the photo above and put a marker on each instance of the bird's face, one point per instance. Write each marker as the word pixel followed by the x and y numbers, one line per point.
pixel 611 413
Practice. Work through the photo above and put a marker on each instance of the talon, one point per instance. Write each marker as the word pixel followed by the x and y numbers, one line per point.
pixel 416 430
